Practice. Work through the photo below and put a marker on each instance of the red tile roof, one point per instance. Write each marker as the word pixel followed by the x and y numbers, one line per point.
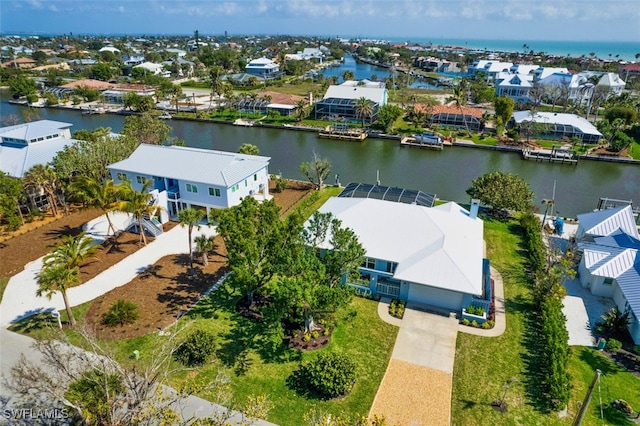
pixel 452 109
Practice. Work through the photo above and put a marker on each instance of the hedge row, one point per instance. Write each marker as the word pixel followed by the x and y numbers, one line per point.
pixel 532 228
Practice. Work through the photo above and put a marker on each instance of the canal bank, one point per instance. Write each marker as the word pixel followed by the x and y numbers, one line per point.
pixel 447 173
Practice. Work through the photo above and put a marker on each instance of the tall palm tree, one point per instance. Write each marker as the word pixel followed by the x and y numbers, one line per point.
pixel 97 195
pixel 137 203
pixel 348 75
pixel 52 279
pixel 190 218
pixel 43 178
pixel 460 98
pixel 364 108
pixel 71 252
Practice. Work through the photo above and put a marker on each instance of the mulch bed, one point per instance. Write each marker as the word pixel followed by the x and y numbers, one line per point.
pixel 296 339
pixel 162 294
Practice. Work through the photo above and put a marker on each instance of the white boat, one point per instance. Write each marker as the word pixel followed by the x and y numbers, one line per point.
pixel 241 122
pixel 165 116
pixel 92 111
pixel 428 138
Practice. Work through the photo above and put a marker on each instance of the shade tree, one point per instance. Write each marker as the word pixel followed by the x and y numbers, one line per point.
pixel 502 191
pixel 316 170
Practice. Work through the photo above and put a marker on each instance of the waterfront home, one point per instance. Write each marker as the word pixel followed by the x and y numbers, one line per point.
pixel 431 256
pixel 339 102
pixel 490 68
pixel 24 145
pixel 611 83
pixel 263 67
pixel 559 126
pixel 194 178
pixel 515 86
pixel 610 264
pixel 567 87
pixel 458 117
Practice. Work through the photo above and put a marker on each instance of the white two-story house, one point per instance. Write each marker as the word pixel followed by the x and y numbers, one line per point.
pixel 194 178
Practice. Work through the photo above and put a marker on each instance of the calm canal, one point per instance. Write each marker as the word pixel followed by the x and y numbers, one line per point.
pixel 447 173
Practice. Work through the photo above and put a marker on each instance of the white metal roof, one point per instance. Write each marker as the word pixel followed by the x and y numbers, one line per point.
pixel 17 160
pixel 439 247
pixel 557 118
pixel 606 222
pixel 374 94
pixel 192 164
pixel 33 130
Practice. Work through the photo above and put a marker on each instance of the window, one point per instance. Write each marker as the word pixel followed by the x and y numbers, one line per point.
pixel 192 188
pixel 608 281
pixel 122 176
pixel 255 177
pixel 235 187
pixel 369 263
pixel 245 182
pixel 214 192
pixel 391 267
pixel 140 179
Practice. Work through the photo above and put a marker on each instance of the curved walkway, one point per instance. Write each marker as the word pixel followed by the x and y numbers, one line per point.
pixel 20 301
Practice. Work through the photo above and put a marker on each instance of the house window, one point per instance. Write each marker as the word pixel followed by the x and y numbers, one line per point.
pixel 245 182
pixel 122 176
pixel 140 180
pixel 608 281
pixel 255 177
pixel 192 188
pixel 369 263
pixel 214 192
pixel 391 267
pixel 235 187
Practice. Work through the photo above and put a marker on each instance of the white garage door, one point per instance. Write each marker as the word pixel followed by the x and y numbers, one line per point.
pixel 435 297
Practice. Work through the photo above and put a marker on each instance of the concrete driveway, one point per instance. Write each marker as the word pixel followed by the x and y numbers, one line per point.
pixel 416 388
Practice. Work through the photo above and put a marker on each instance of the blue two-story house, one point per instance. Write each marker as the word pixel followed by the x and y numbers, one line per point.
pixel 194 178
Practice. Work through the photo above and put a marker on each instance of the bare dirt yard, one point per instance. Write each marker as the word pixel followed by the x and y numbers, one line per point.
pixel 162 293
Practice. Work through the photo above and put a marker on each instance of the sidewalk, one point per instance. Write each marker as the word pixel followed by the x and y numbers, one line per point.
pixel 20 301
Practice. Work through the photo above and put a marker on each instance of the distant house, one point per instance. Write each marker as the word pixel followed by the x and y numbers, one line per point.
pixel 612 83
pixel 432 256
pixel 24 145
pixel 559 125
pixel 630 70
pixel 339 102
pixel 515 86
pixel 610 264
pixel 490 68
pixel 453 116
pixel 153 68
pixel 194 178
pixel 20 63
pixel 263 67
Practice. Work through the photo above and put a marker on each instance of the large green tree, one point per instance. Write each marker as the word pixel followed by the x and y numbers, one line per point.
pixel 43 178
pixel 11 196
pixel 256 240
pixel 387 115
pixel 502 191
pixel 146 128
pixel 22 85
pixel 504 108
pixel 249 149
pixel 364 109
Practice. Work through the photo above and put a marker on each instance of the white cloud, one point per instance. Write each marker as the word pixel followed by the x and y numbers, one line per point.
pixel 35 4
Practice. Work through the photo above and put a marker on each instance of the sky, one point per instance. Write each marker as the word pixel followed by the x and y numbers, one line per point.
pixel 586 20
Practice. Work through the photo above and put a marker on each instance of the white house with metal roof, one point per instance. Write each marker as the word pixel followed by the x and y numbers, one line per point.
pixel 194 178
pixel 610 264
pixel 263 67
pixel 340 100
pixel 22 146
pixel 559 125
pixel 428 255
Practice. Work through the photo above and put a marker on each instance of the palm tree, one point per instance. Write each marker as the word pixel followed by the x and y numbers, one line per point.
pixel 348 75
pixel 205 245
pixel 300 110
pixel 190 218
pixel 71 252
pixel 94 194
pixel 460 98
pixel 52 279
pixel 137 203
pixel 43 178
pixel 364 108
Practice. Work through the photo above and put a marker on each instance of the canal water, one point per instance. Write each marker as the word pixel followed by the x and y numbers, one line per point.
pixel 447 173
pixel 363 71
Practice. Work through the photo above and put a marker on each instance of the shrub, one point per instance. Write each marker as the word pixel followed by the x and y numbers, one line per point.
pixel 491 323
pixel 120 313
pixel 485 325
pixel 465 321
pixel 396 308
pixel 196 349
pixel 329 375
pixel 474 310
pixel 475 324
pixel 614 345
pixel 614 324
pixel 281 184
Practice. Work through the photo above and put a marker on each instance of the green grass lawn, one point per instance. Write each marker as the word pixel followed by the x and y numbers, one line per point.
pixel 484 365
pixel 3 285
pixel 634 150
pixel 245 355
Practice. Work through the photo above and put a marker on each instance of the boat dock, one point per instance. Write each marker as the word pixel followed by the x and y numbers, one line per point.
pixel 556 155
pixel 342 132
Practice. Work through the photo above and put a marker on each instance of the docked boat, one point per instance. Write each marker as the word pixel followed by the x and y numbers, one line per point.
pixel 165 116
pixel 91 111
pixel 428 138
pixel 241 122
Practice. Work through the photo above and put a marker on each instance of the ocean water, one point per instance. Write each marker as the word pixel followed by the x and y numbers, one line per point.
pixel 626 50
